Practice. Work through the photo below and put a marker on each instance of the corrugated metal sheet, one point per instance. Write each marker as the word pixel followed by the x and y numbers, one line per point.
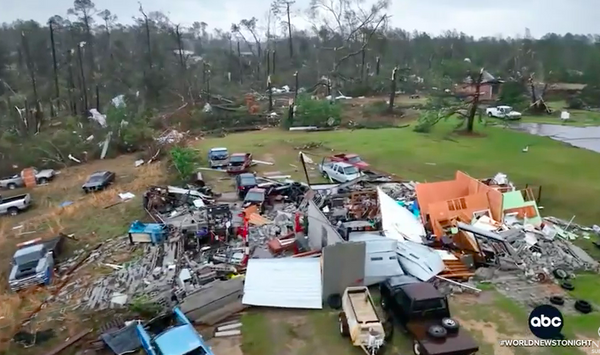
pixel 419 260
pixel 381 260
pixel 284 283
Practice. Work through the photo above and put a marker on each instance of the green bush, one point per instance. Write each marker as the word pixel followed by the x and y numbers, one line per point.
pixel 318 113
pixel 185 160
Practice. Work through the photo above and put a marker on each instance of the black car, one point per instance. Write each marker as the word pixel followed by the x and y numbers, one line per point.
pixel 98 181
pixel 244 182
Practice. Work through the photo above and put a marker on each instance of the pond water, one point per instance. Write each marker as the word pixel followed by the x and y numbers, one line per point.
pixel 582 137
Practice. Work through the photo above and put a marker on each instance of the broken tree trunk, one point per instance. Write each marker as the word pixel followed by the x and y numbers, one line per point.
pixel 296 81
pixel 289 23
pixel 240 66
pixel 72 104
pixel 31 70
pixel 475 102
pixel 362 65
pixel 270 91
pixel 393 90
pixel 268 63
pixel 82 73
pixel 97 98
pixel 54 64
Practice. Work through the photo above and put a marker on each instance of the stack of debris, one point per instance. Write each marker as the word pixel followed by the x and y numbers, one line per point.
pixel 165 273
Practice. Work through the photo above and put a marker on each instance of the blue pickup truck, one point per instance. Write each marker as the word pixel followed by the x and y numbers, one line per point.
pixel 33 263
pixel 179 338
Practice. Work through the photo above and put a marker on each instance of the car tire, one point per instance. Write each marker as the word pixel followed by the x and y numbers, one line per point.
pixel 388 328
pixel 42 181
pixel 557 300
pixel 13 211
pixel 11 186
pixel 335 301
pixel 86 191
pixel 417 349
pixel 567 286
pixel 437 332
pixel 343 325
pixel 490 115
pixel 583 306
pixel 560 274
pixel 451 325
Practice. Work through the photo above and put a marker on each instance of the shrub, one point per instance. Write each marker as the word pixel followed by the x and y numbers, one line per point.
pixel 185 160
pixel 316 112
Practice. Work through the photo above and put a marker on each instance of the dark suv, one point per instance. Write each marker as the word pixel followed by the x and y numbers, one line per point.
pixel 256 196
pixel 244 182
pixel 423 312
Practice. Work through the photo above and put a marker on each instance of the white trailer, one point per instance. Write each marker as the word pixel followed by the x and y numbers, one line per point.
pixel 360 322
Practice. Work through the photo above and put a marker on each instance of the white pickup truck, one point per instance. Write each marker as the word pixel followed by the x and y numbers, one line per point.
pixel 339 171
pixel 16 181
pixel 505 112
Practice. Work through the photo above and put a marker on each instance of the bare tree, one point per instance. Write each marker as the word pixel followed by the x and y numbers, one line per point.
pixel 148 42
pixel 54 60
pixel 475 102
pixel 32 71
pixel 281 8
pixel 109 21
pixel 350 26
pixel 84 10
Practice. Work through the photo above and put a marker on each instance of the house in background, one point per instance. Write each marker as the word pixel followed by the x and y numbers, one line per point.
pixel 488 91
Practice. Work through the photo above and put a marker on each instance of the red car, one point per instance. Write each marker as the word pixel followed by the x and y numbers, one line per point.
pixel 239 163
pixel 353 159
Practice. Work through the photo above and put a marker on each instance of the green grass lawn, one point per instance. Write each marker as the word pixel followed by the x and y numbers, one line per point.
pixel 578 117
pixel 511 322
pixel 568 175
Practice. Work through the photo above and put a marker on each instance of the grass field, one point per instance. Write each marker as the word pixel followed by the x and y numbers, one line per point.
pixel 577 117
pixel 567 175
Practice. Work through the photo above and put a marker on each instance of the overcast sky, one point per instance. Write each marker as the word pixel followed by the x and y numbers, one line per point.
pixel 474 17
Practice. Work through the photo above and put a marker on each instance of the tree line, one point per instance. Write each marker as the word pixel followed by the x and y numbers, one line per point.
pixel 85 57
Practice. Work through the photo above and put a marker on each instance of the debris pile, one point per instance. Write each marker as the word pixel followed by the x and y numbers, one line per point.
pixel 210 257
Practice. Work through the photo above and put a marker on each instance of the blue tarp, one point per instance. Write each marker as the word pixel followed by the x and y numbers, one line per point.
pixel 412 207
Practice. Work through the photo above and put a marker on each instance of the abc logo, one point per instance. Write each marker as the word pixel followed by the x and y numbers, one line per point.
pixel 546 322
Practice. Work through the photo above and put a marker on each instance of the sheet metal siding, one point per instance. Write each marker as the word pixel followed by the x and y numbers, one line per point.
pixel 285 283
pixel 343 266
pixel 381 260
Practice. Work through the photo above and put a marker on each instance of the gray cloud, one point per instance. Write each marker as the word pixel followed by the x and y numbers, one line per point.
pixel 474 17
